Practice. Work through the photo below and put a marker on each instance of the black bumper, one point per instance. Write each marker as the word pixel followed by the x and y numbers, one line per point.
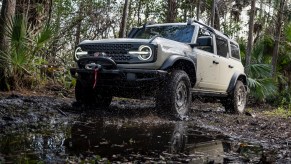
pixel 122 80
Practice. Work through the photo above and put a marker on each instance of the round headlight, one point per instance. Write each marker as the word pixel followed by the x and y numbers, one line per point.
pixel 145 52
pixel 79 52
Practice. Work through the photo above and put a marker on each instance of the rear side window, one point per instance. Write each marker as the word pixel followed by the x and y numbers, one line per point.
pixel 222 46
pixel 234 51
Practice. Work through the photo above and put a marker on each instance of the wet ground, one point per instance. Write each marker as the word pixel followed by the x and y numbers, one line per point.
pixel 54 130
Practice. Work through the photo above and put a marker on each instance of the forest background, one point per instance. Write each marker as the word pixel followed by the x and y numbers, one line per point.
pixel 38 37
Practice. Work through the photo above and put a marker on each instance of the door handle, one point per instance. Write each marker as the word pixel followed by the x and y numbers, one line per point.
pixel 215 62
pixel 230 66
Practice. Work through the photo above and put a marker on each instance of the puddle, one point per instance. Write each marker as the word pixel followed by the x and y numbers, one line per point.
pixel 103 141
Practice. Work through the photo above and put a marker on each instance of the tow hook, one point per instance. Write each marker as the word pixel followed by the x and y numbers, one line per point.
pixel 93 66
pixel 96 68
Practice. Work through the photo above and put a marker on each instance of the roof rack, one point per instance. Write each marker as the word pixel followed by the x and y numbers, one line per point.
pixel 191 20
pixel 208 27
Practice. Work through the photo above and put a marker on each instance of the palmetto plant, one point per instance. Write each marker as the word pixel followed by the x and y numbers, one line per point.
pixel 260 81
pixel 18 60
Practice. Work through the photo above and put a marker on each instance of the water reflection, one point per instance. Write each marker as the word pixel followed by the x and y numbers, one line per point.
pixel 142 142
pixel 202 148
pixel 31 146
pixel 174 142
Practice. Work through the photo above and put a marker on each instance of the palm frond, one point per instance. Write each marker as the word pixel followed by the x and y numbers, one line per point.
pixel 288 32
pixel 253 83
pixel 262 50
pixel 262 88
pixel 259 70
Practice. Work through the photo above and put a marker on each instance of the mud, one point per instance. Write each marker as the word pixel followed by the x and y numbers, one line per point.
pixel 57 130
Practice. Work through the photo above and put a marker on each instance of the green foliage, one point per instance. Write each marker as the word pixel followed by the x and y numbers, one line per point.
pixel 260 80
pixel 262 50
pixel 20 60
pixel 259 70
pixel 284 110
pixel 262 88
pixel 288 32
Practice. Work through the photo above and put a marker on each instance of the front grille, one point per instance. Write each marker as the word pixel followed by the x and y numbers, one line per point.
pixel 118 52
pixel 109 48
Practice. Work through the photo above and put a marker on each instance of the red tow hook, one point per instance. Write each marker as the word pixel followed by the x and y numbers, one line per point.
pixel 96 68
pixel 95 76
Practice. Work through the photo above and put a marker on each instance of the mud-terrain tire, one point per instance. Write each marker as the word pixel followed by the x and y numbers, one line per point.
pixel 88 96
pixel 174 97
pixel 237 100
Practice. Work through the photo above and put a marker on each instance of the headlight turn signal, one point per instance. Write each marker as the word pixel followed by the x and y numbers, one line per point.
pixel 144 52
pixel 79 52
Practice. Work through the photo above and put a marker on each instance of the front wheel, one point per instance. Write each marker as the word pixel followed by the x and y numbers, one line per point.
pixel 237 100
pixel 174 97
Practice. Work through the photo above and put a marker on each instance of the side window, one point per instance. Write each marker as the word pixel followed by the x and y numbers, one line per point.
pixel 222 46
pixel 234 51
pixel 204 40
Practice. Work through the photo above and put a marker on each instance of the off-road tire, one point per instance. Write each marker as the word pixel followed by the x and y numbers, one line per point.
pixel 174 96
pixel 88 96
pixel 236 102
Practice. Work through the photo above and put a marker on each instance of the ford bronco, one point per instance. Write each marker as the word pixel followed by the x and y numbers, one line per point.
pixel 171 62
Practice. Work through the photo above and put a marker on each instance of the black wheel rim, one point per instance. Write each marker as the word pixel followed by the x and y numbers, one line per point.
pixel 181 97
pixel 241 99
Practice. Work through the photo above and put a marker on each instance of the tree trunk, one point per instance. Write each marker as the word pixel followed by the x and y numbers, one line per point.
pixel 251 32
pixel 277 37
pixel 217 19
pixel 212 13
pixel 138 14
pixel 122 31
pixel 79 25
pixel 198 10
pixel 172 11
pixel 7 13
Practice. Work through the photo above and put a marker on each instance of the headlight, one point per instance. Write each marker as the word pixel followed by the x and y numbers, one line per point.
pixel 144 52
pixel 79 52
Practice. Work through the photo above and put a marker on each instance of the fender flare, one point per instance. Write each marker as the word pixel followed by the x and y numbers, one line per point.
pixel 173 59
pixel 234 79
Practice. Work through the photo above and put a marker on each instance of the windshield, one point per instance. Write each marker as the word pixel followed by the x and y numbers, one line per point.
pixel 180 33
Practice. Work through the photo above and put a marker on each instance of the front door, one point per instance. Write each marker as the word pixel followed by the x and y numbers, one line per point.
pixel 207 70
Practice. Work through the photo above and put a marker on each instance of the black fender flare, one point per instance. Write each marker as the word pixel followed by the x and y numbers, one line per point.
pixel 173 59
pixel 234 79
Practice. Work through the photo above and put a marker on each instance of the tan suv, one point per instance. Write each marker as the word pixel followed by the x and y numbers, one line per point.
pixel 171 62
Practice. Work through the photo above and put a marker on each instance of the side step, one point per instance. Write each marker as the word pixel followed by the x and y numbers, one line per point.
pixel 208 93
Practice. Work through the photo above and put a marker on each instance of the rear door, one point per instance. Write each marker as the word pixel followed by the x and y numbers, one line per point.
pixel 226 67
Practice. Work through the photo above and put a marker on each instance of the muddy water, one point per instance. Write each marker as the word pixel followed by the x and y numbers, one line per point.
pixel 49 130
pixel 103 140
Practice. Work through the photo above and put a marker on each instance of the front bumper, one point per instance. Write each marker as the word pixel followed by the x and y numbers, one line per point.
pixel 121 81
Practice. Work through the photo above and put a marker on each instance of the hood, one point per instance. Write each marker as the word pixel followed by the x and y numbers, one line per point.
pixel 118 40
